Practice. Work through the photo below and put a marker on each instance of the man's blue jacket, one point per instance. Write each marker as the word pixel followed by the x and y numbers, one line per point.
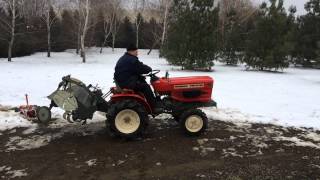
pixel 129 69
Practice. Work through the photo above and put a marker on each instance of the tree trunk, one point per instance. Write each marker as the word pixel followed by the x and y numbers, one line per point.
pixel 49 29
pixel 101 49
pixel 10 51
pixel 103 44
pixel 137 36
pixel 113 42
pixel 82 51
pixel 165 23
pixel 152 47
pixel 78 40
pixel 13 24
pixel 49 43
pixel 84 32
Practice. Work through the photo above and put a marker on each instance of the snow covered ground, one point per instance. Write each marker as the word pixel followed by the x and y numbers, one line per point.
pixel 288 99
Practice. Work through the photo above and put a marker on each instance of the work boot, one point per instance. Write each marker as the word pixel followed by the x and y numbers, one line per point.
pixel 158 108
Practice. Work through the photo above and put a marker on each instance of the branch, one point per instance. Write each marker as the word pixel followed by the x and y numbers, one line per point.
pixel 3 39
pixel 5 23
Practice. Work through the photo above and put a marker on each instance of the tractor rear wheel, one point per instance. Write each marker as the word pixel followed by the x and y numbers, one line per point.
pixel 193 122
pixel 127 118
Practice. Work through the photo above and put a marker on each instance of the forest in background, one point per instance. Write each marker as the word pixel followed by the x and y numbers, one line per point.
pixel 189 33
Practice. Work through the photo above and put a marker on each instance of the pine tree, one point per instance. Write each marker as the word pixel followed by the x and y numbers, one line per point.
pixel 308 40
pixel 99 29
pixel 126 34
pixel 268 45
pixel 192 36
pixel 4 36
pixel 68 39
pixel 232 40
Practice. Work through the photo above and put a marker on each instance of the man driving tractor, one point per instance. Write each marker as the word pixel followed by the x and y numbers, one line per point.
pixel 128 74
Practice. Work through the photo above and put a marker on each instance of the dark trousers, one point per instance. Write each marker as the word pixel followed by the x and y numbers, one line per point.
pixel 143 87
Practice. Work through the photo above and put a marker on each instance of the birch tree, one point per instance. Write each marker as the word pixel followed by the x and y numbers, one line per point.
pixel 111 21
pixel 84 13
pixel 138 7
pixel 49 19
pixel 117 15
pixel 165 7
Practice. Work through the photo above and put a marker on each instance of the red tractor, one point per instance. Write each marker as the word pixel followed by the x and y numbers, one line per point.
pixel 181 97
pixel 128 111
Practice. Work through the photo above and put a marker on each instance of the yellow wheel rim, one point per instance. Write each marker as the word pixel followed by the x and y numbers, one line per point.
pixel 127 121
pixel 194 123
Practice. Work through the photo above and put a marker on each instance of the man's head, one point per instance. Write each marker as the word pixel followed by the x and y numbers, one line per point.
pixel 133 50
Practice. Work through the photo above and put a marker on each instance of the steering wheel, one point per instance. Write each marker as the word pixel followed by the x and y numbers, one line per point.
pixel 153 73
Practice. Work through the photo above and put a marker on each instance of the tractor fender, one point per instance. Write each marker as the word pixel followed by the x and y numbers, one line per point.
pixel 119 97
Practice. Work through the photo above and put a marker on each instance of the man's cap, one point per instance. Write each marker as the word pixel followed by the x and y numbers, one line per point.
pixel 131 47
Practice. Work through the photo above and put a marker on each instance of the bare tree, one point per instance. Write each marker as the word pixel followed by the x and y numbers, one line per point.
pixel 165 6
pixel 111 19
pixel 83 25
pixel 138 8
pixel 107 27
pixel 243 8
pixel 9 25
pixel 116 8
pixel 162 9
pixel 49 20
pixel 85 14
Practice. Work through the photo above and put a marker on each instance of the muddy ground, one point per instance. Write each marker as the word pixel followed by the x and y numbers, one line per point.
pixel 225 151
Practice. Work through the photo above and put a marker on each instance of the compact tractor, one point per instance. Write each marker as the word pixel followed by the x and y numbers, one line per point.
pixel 127 111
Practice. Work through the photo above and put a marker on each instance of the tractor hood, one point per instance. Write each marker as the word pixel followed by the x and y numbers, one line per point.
pixel 186 89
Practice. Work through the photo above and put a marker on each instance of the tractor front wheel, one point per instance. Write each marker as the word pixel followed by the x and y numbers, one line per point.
pixel 127 118
pixel 193 122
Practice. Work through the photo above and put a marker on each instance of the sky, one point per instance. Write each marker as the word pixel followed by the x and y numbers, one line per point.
pixel 287 3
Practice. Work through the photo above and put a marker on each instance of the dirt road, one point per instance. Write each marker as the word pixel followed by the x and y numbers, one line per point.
pixel 226 151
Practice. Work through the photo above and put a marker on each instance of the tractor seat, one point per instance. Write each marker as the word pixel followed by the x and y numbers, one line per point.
pixel 119 90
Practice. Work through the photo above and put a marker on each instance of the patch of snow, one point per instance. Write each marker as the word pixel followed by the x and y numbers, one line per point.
pixel 233 129
pixel 195 149
pixel 10 120
pixel 231 152
pixel 243 97
pixel 2 168
pixel 17 173
pixel 91 162
pixel 32 142
pixel 202 141
pixel 201 175
pixel 232 138
pixel 12 173
pixel 273 131
pixel 260 144
pixel 210 149
pixel 280 150
pixel 297 142
pixel 29 130
pixel 120 162
pixel 313 136
pixel 13 131
pixel 315 166
pixel 217 139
